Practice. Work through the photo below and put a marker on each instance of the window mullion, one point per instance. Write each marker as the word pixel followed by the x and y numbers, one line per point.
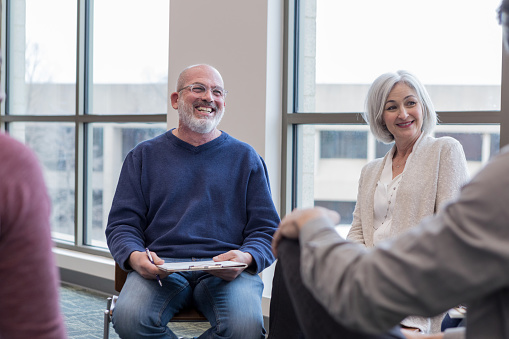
pixel 504 105
pixel 80 152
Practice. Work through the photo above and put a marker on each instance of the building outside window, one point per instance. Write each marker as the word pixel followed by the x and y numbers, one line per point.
pixel 85 84
pixel 336 48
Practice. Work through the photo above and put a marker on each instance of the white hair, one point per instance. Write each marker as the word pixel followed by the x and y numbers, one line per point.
pixel 377 97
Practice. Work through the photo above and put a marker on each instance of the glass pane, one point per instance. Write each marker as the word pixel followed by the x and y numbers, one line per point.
pixel 54 145
pixel 42 57
pixel 109 144
pixel 130 57
pixel 453 48
pixel 328 171
pixel 480 142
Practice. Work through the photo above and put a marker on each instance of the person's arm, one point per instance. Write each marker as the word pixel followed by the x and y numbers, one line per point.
pixel 452 172
pixel 262 219
pixel 29 284
pixel 355 233
pixel 127 217
pixel 374 290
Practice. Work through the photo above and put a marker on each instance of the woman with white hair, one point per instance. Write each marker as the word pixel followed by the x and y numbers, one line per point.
pixel 417 175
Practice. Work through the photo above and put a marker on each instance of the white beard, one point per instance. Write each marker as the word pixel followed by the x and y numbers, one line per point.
pixel 199 125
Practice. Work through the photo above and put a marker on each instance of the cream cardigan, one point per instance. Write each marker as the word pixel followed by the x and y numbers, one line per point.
pixel 434 175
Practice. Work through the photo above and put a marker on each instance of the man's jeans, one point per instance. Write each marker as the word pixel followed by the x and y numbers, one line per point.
pixel 233 308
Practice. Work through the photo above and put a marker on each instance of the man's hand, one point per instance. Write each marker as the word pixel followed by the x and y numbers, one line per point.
pixel 292 223
pixel 233 255
pixel 140 263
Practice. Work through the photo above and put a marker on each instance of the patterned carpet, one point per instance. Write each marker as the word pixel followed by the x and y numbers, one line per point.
pixel 83 312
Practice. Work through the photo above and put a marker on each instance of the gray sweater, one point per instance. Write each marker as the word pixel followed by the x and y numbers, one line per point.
pixel 461 255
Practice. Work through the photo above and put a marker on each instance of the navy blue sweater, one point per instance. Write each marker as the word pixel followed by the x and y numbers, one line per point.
pixel 183 201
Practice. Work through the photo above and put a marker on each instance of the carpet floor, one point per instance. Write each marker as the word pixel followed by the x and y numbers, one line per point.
pixel 83 312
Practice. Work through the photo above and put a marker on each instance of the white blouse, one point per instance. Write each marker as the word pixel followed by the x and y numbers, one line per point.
pixel 385 196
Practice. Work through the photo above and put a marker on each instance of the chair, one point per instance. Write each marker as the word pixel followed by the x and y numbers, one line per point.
pixel 188 314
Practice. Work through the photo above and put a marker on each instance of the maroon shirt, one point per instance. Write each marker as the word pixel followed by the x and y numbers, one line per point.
pixel 29 281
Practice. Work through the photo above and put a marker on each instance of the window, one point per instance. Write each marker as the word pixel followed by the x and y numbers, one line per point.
pixel 336 48
pixel 338 144
pixel 84 85
pixel 54 144
pixel 455 49
pixel 114 140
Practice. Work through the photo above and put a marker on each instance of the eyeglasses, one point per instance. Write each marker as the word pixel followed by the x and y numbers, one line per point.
pixel 200 89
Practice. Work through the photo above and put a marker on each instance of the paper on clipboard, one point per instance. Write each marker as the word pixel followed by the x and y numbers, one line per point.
pixel 199 265
pixel 457 312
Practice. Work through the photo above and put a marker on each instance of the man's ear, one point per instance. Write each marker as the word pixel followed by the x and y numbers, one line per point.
pixel 174 100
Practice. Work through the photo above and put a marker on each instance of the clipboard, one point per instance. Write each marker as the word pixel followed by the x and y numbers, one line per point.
pixel 200 265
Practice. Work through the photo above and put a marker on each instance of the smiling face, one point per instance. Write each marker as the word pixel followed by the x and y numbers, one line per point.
pixel 403 114
pixel 199 110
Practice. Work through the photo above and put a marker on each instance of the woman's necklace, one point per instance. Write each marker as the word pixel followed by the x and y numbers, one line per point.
pixel 402 162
